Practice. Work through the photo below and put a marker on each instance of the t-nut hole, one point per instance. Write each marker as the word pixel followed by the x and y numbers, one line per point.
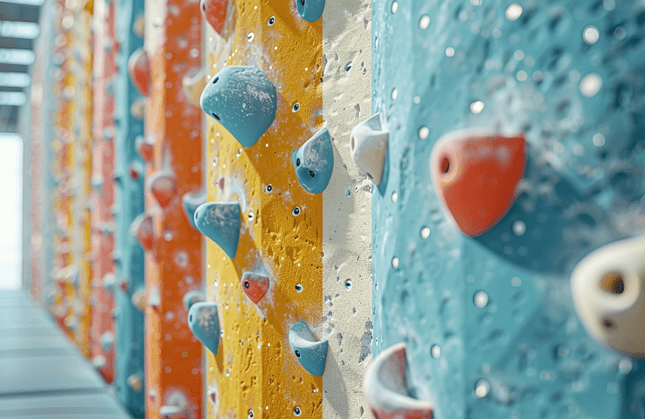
pixel 608 323
pixel 216 79
pixel 312 173
pixel 297 352
pixel 613 282
pixel 445 165
pixel 297 162
pixel 246 284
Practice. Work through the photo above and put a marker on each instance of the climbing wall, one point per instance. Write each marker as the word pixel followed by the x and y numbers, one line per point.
pixel 515 149
pixel 128 283
pixel 72 165
pixel 102 199
pixel 173 38
pixel 347 218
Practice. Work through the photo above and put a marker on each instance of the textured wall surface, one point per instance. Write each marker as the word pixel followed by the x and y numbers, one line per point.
pixel 498 307
pixel 255 369
pixel 129 203
pixel 173 267
pixel 347 215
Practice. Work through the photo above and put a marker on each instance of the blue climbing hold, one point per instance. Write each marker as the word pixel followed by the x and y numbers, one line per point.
pixel 314 162
pixel 220 222
pixel 191 201
pixel 243 100
pixel 310 353
pixel 310 10
pixel 203 321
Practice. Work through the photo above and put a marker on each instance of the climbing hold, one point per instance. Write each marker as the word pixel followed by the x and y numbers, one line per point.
pixel 214 11
pixel 203 321
pixel 476 177
pixel 97 182
pixel 220 222
pixel 145 148
pixel 139 299
pixel 163 187
pixel 368 146
pixel 385 389
pixel 191 201
pixel 136 170
pixel 192 297
pixel 314 162
pixel 135 382
pixel 139 70
pixel 310 10
pixel 194 84
pixel 154 299
pixel 109 280
pixel 254 286
pixel 607 288
pixel 124 284
pixel 107 340
pixel 311 354
pixel 142 229
pixel 243 100
pixel 137 109
pixel 139 26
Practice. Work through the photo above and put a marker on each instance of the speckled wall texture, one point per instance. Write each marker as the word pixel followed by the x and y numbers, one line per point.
pixel 489 321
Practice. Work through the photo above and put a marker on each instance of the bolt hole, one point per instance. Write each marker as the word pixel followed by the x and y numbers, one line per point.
pixel 271 20
pixel 445 165
pixel 297 352
pixel 312 173
pixel 297 162
pixel 215 80
pixel 613 282
pixel 215 116
pixel 297 411
pixel 269 188
pixel 246 284
pixel 296 211
pixel 608 323
pixel 302 2
pixel 296 106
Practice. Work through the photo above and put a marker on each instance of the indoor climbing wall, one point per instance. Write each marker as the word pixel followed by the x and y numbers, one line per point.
pixel 102 199
pixel 173 126
pixel 508 221
pixel 128 281
pixel 347 215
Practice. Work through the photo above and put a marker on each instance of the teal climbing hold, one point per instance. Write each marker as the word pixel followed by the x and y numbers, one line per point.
pixel 243 100
pixel 314 162
pixel 311 354
pixel 190 202
pixel 220 222
pixel 203 321
pixel 310 10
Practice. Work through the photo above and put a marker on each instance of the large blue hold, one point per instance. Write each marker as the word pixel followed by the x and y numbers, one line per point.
pixel 314 162
pixel 310 10
pixel 203 321
pixel 243 100
pixel 220 222
pixel 312 355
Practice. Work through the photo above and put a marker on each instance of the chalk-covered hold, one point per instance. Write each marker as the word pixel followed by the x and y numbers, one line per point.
pixel 142 228
pixel 220 222
pixel 476 176
pixel 608 295
pixel 314 162
pixel 139 299
pixel 255 286
pixel 139 71
pixel 311 354
pixel 310 10
pixel 190 202
pixel 386 391
pixel 368 147
pixel 214 11
pixel 163 187
pixel 193 85
pixel 243 100
pixel 203 321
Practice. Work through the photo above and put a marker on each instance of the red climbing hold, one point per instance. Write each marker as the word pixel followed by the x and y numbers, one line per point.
pixel 476 177
pixel 141 228
pixel 124 285
pixel 144 148
pixel 163 188
pixel 214 11
pixel 254 286
pixel 139 70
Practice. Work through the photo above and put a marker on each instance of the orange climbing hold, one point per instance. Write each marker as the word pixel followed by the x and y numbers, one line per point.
pixel 214 11
pixel 476 177
pixel 141 228
pixel 254 286
pixel 163 188
pixel 139 70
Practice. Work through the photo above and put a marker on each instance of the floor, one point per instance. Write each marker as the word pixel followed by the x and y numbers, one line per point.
pixel 42 375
